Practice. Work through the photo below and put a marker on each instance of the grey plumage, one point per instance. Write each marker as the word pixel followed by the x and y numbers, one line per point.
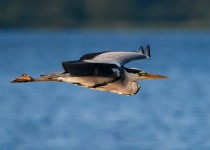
pixel 121 58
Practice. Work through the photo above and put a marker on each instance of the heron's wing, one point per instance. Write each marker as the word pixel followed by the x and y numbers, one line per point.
pixel 79 68
pixel 117 57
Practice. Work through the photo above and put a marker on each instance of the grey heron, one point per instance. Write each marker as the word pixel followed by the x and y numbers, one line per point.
pixel 104 71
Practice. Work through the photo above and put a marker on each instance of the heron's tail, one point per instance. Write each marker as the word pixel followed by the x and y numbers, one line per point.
pixel 46 77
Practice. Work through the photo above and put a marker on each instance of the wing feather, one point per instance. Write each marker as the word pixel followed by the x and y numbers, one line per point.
pixel 80 68
pixel 90 55
pixel 116 57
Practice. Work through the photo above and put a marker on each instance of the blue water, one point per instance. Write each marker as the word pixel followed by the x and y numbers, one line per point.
pixel 165 115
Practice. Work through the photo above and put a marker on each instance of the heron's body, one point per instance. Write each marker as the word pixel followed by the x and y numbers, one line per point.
pixel 103 71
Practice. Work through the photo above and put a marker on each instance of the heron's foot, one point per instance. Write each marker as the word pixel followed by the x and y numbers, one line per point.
pixel 24 78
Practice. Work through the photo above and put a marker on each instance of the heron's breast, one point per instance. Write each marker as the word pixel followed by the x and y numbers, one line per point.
pixel 119 87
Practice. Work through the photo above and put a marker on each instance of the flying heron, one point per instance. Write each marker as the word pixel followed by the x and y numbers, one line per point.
pixel 104 71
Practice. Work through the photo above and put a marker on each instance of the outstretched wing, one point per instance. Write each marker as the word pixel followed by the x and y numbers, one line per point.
pixel 80 68
pixel 117 57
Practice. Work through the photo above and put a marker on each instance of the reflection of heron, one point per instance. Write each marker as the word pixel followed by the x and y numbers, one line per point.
pixel 104 71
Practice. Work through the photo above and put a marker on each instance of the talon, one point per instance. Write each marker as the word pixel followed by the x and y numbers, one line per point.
pixel 24 78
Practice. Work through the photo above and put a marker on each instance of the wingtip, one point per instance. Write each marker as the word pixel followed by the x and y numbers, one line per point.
pixel 147 51
pixel 141 50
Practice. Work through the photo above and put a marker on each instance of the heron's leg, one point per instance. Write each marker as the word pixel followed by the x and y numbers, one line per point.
pixel 27 78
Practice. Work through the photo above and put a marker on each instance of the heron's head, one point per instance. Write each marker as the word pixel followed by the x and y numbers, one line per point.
pixel 136 74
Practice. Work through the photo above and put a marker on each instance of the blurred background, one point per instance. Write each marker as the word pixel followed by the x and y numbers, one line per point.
pixel 103 13
pixel 37 35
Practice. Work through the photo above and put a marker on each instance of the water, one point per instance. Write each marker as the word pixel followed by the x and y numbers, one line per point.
pixel 165 114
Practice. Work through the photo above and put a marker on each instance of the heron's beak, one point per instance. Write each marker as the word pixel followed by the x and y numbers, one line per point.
pixel 149 76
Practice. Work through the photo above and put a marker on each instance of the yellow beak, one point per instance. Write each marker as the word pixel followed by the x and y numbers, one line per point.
pixel 149 76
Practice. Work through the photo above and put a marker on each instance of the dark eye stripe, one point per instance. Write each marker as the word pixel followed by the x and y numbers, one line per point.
pixel 132 70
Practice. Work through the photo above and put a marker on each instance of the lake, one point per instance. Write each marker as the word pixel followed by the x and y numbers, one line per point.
pixel 166 114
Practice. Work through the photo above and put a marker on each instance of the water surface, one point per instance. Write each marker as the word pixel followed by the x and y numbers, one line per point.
pixel 165 114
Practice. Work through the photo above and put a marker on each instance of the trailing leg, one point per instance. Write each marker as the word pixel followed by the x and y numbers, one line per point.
pixel 26 78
